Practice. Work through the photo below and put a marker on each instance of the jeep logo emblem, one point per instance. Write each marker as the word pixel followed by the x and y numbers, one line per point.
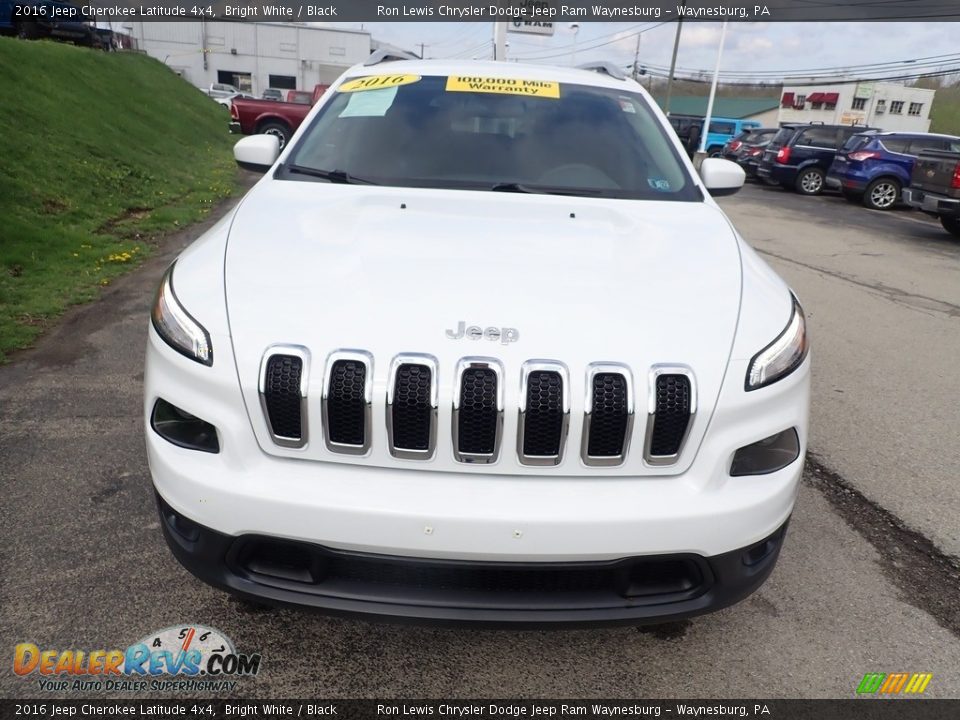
pixel 505 335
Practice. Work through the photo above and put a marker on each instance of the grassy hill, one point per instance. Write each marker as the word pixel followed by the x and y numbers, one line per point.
pixel 945 113
pixel 102 153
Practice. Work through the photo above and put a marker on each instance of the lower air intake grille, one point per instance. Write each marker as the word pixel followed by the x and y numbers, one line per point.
pixel 543 418
pixel 478 413
pixel 609 418
pixel 671 416
pixel 412 412
pixel 346 403
pixel 281 393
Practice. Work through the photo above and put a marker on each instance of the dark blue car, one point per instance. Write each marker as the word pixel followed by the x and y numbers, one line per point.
pixel 873 167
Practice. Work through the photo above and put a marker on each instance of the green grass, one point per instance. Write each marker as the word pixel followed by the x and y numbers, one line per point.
pixel 945 113
pixel 102 154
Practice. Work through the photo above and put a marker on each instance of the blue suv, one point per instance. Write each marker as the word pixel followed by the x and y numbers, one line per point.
pixel 873 168
pixel 798 156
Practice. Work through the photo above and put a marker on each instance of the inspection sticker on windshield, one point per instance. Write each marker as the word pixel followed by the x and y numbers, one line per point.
pixel 503 86
pixel 658 184
pixel 374 103
pixel 377 82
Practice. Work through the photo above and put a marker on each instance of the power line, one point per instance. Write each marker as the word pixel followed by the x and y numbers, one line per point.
pixel 594 47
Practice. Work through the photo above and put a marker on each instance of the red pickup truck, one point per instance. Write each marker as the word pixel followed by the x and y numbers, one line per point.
pixel 269 117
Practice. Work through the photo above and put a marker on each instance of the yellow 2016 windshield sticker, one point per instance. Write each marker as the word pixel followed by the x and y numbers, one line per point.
pixel 503 86
pixel 377 82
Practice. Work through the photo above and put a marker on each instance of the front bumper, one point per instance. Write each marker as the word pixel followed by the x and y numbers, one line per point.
pixel 235 128
pixel 631 590
pixel 930 202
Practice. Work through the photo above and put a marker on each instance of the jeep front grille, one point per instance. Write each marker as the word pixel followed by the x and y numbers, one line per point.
pixel 478 410
pixel 347 395
pixel 477 418
pixel 412 407
pixel 608 414
pixel 544 412
pixel 283 393
pixel 670 413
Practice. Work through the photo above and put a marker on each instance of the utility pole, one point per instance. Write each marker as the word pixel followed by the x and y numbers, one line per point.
pixel 713 92
pixel 500 41
pixel 422 46
pixel 636 58
pixel 673 61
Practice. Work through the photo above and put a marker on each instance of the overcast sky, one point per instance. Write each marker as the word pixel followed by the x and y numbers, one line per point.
pixel 787 47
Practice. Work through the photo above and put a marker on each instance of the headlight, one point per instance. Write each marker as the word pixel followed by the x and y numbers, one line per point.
pixel 175 325
pixel 782 356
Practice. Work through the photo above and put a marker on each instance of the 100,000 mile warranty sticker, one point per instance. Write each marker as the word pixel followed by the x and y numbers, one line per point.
pixel 503 86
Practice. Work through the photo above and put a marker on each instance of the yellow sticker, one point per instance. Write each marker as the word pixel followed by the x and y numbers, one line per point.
pixel 503 86
pixel 377 82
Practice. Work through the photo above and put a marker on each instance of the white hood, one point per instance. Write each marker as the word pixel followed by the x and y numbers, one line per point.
pixel 390 270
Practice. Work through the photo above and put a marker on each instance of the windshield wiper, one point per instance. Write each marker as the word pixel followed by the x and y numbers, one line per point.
pixel 542 189
pixel 334 176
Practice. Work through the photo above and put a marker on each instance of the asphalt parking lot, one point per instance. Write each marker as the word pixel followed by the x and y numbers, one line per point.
pixel 868 580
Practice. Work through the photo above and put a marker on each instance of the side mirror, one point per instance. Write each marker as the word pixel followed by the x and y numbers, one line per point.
pixel 721 177
pixel 258 153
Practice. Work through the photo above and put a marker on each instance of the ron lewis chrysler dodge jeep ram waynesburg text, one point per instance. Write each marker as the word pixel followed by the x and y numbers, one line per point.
pixel 504 360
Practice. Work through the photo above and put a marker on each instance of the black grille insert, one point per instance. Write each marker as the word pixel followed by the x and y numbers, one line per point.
pixel 346 405
pixel 322 571
pixel 412 412
pixel 543 418
pixel 281 393
pixel 478 413
pixel 672 415
pixel 609 417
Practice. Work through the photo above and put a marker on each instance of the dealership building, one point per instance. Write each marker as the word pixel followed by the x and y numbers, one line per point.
pixel 252 56
pixel 886 105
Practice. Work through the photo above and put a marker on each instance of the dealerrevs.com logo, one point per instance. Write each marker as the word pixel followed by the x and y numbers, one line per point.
pixel 178 658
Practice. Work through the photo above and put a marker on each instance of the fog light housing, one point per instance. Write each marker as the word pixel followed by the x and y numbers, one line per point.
pixel 183 429
pixel 768 455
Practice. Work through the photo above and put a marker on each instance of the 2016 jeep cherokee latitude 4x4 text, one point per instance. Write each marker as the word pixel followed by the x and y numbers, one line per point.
pixel 505 360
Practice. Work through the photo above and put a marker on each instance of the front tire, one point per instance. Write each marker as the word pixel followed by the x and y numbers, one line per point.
pixel 951 223
pixel 882 194
pixel 278 130
pixel 810 181
pixel 28 31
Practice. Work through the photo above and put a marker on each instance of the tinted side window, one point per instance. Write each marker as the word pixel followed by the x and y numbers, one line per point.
pixel 722 128
pixel 895 144
pixel 918 145
pixel 821 137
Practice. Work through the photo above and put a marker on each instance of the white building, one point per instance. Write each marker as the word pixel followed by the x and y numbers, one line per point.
pixel 875 104
pixel 252 56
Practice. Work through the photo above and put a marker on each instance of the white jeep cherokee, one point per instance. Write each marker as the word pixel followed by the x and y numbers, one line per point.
pixel 479 347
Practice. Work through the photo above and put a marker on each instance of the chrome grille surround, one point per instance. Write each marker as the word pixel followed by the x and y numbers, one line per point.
pixel 366 359
pixel 653 376
pixel 550 366
pixel 428 361
pixel 594 369
pixel 297 351
pixel 496 367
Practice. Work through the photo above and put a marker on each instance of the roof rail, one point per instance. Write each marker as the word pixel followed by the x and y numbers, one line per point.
pixel 601 66
pixel 379 56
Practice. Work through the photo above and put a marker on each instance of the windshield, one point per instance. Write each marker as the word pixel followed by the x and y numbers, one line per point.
pixel 491 134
